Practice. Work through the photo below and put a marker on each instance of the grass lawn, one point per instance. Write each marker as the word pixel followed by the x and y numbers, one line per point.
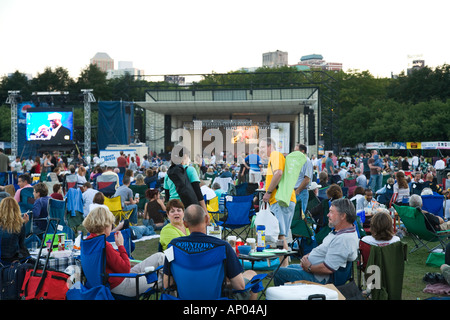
pixel 415 267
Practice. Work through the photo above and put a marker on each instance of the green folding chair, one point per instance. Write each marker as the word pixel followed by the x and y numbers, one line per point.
pixel 414 221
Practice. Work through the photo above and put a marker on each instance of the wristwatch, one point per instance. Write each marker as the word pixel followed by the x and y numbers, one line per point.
pixel 269 192
pixel 309 268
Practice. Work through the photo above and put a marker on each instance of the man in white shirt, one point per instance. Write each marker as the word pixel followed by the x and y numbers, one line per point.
pixel 88 196
pixel 440 164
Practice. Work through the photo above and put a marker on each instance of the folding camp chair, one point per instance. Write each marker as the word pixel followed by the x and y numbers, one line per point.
pixel 342 275
pixel 141 189
pixel 115 206
pixel 223 182
pixel 106 183
pixel 200 275
pixel 26 199
pixel 96 287
pixel 433 204
pixel 386 279
pixel 238 216
pixel 414 221
pixel 319 214
pixel 323 193
pixel 70 181
pixel 302 233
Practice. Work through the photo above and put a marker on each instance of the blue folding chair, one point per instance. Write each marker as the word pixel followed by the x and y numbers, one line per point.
pixel 26 199
pixel 201 275
pixel 239 212
pixel 96 287
pixel 434 204
pixel 57 209
pixel 342 275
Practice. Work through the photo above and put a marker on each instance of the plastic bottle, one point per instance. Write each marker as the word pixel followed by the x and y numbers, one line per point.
pixel 260 238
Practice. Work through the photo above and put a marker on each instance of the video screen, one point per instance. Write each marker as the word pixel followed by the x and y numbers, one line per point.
pixel 49 126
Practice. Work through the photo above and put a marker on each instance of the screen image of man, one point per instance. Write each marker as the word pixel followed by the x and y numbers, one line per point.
pixel 56 133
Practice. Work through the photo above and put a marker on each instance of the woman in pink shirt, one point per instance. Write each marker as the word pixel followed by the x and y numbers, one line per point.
pixel 98 222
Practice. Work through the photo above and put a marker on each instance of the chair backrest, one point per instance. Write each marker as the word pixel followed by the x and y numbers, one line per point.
pixel 323 193
pixel 213 204
pixel 349 182
pixel 364 249
pixel 434 204
pixel 416 187
pixel 342 275
pixel 57 209
pixel 238 208
pixel 223 182
pixel 414 221
pixel 141 189
pixel 199 275
pixel 127 243
pixel 26 199
pixel 114 204
pixel 93 260
pixel 391 262
pixel 106 183
pixel 71 181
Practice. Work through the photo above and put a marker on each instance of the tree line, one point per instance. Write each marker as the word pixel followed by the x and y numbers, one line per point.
pixel 410 107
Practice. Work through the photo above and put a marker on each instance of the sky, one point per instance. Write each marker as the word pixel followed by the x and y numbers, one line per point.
pixel 205 36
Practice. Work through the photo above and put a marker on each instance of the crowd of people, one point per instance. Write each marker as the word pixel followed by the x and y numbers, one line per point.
pixel 177 216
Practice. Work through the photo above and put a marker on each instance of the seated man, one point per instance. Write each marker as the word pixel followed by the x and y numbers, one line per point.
pixel 88 197
pixel 40 208
pixel 24 181
pixel 196 220
pixel 367 201
pixel 432 222
pixel 430 182
pixel 338 247
pixel 126 196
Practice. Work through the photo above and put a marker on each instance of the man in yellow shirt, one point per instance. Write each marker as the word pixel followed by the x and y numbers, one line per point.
pixel 275 168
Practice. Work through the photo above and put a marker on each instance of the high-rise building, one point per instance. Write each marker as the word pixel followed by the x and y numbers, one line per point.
pixel 275 59
pixel 103 61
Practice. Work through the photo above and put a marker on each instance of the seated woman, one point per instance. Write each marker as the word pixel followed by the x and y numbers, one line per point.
pixel 98 201
pixel 381 230
pixel 57 192
pixel 81 177
pixel 98 222
pixel 401 188
pixel 153 214
pixel 12 231
pixel 176 228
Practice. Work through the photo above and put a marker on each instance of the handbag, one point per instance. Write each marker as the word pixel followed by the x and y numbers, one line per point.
pixel 266 218
pixel 11 280
pixel 42 284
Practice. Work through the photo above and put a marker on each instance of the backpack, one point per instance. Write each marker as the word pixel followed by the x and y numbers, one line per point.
pixel 177 173
pixel 292 167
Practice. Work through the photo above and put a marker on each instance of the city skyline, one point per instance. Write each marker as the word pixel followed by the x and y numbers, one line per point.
pixel 198 37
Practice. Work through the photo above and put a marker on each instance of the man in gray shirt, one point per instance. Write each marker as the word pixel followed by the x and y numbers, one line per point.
pixel 126 196
pixel 338 248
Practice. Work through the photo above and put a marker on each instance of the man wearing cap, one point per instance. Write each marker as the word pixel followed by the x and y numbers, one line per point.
pixel 56 133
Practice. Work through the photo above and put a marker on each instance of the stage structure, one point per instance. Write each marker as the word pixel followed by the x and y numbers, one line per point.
pixel 45 107
pixel 88 98
pixel 305 102
pixel 12 100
